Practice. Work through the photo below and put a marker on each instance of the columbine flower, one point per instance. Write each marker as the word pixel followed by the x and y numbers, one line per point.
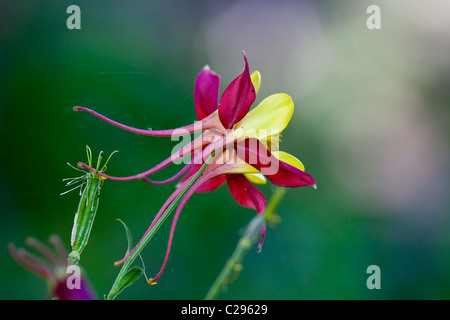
pixel 54 270
pixel 245 145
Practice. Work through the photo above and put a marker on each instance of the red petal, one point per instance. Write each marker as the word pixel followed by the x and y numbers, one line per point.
pixel 212 184
pixel 277 171
pixel 206 93
pixel 237 99
pixel 245 193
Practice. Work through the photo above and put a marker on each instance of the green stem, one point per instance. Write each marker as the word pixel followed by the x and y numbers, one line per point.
pixel 244 245
pixel 155 228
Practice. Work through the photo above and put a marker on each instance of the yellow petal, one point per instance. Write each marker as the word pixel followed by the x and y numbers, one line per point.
pixel 256 178
pixel 289 159
pixel 256 80
pixel 230 163
pixel 270 117
pixel 272 143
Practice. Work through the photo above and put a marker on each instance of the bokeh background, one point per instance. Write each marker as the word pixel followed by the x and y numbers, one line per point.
pixel 371 125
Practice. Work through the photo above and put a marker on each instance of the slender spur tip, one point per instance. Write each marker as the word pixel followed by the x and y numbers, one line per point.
pixel 152 282
pixel 80 164
pixel 76 108
pixel 117 263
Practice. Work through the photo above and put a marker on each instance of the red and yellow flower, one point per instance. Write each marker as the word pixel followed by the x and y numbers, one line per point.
pixel 244 143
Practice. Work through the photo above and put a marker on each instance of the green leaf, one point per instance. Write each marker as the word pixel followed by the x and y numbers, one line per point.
pixel 127 280
pixel 129 237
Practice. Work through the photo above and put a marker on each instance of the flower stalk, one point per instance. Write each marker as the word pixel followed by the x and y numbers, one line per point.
pixel 244 244
pixel 124 271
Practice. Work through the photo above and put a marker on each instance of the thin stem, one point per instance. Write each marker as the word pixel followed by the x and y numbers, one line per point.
pixel 244 244
pixel 128 260
pixel 186 197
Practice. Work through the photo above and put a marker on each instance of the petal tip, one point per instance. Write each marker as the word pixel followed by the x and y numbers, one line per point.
pixel 245 58
pixel 207 68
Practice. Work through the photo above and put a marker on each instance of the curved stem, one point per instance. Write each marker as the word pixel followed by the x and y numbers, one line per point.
pixel 157 222
pixel 187 196
pixel 169 180
pixel 162 215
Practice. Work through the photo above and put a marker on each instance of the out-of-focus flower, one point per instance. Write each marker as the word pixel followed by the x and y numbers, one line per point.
pixel 64 282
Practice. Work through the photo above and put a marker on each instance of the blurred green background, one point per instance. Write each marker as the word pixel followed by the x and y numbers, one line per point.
pixel 371 125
